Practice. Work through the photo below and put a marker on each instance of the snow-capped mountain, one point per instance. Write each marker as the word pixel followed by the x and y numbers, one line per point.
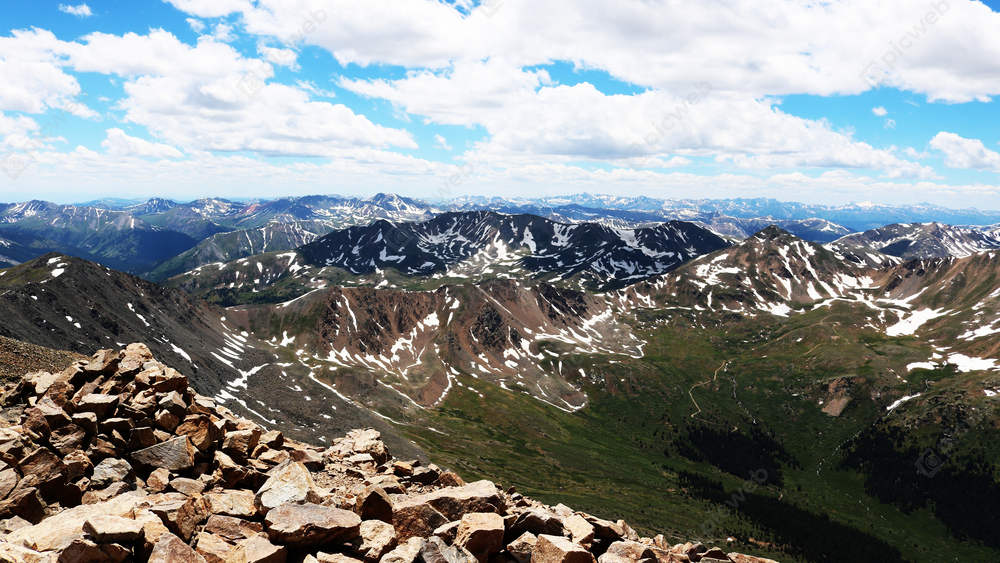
pixel 465 244
pixel 918 240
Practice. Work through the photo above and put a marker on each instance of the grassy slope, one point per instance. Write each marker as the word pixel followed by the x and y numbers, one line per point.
pixel 609 458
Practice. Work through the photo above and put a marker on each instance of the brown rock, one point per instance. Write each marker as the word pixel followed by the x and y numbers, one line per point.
pixel 374 504
pixel 233 503
pixel 77 465
pixel 436 551
pixel 140 439
pixel 87 421
pixel 182 516
pixel 605 529
pixel 112 529
pixel 521 548
pixel 53 413
pixel 454 503
pixel 258 550
pixel 99 404
pixel 103 362
pixel 402 468
pixel 449 479
pixel 109 492
pixel 200 430
pixel 481 534
pixel 581 531
pixel 538 522
pixel 553 549
pixel 152 530
pixel 740 558
pixel 213 548
pixel 332 558
pixel 232 529
pixel 310 458
pixel 310 524
pixel 176 454
pixel 8 480
pixel 273 439
pixel 447 532
pixel 167 421
pixel 273 457
pixel 112 471
pixel 80 548
pixel 102 448
pixel 377 538
pixel 169 380
pixel 43 471
pixel 133 359
pixel 158 480
pixel 626 551
pixel 171 549
pixel 68 439
pixel 26 503
pixel 406 552
pixel 35 426
pixel 289 482
pixel 188 487
pixel 240 443
pixel 416 520
pixel 714 555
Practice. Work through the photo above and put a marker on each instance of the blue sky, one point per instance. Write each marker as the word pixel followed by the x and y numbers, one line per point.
pixel 792 99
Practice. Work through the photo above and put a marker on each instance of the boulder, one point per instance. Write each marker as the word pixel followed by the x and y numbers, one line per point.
pixel 112 471
pixel 538 522
pixel 112 529
pixel 416 520
pixel 182 515
pixel 77 465
pixel 626 551
pixel 374 504
pixel 99 404
pixel 174 455
pixel 87 421
pixel 304 525
pixel 213 548
pixel 406 552
pixel 436 551
pixel 200 429
pixel 141 438
pixel 79 548
pixel 51 533
pixel 67 439
pixel 521 548
pixel 554 549
pixel 237 503
pixel 188 487
pixel 232 529
pixel 454 503
pixel 240 443
pixel 258 550
pixel 581 531
pixel 44 471
pixel 25 503
pixel 158 480
pixel 376 539
pixel 481 534
pixel 289 482
pixel 171 549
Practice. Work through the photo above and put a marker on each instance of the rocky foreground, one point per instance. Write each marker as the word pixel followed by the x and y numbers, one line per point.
pixel 117 459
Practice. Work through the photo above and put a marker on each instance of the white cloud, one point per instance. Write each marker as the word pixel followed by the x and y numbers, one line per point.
pixel 82 10
pixel 969 154
pixel 879 111
pixel 441 143
pixel 223 33
pixel 196 25
pixel 119 144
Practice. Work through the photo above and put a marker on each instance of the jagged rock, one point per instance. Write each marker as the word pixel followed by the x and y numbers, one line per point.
pixel 158 480
pixel 605 529
pixel 87 421
pixel 454 503
pixel 111 471
pixel 213 548
pixel 416 520
pixel 152 529
pixel 258 550
pixel 51 532
pixel 233 503
pixel 626 551
pixel 521 548
pixel 171 549
pixel 109 492
pixel 182 515
pixel 310 458
pixel 135 356
pixel 68 439
pixel 714 555
pixel 35 426
pixel 376 539
pixel 175 455
pixel 581 531
pixel 436 551
pixel 389 483
pixel 367 442
pixel 289 482
pixel 187 487
pixel 17 554
pixel 26 503
pixel 80 548
pixel 447 532
pixel 553 549
pixel 167 421
pixel 43 471
pixel 53 413
pixel 232 529
pixel 112 529
pixel 405 552
pixel 310 524
pixel 740 558
pixel 538 522
pixel 8 480
pixel 103 362
pixel 200 429
pixel 98 403
pixel 240 443
pixel 228 471
pixel 402 468
pixel 333 558
pixel 481 534
pixel 374 504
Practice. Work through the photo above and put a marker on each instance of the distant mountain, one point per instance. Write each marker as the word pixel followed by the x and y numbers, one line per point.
pixel 466 244
pixel 920 240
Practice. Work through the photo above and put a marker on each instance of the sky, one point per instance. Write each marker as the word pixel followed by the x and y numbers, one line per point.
pixel 826 102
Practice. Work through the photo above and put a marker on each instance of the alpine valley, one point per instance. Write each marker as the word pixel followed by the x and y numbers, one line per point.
pixel 634 358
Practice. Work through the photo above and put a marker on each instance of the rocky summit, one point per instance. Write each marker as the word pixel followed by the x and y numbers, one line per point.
pixel 117 459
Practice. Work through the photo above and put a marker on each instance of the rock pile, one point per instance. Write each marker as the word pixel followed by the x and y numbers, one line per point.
pixel 117 459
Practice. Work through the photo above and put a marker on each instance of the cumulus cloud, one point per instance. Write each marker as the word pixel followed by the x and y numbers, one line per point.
pixel 441 143
pixel 969 154
pixel 118 143
pixel 879 111
pixel 82 10
pixel 196 25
